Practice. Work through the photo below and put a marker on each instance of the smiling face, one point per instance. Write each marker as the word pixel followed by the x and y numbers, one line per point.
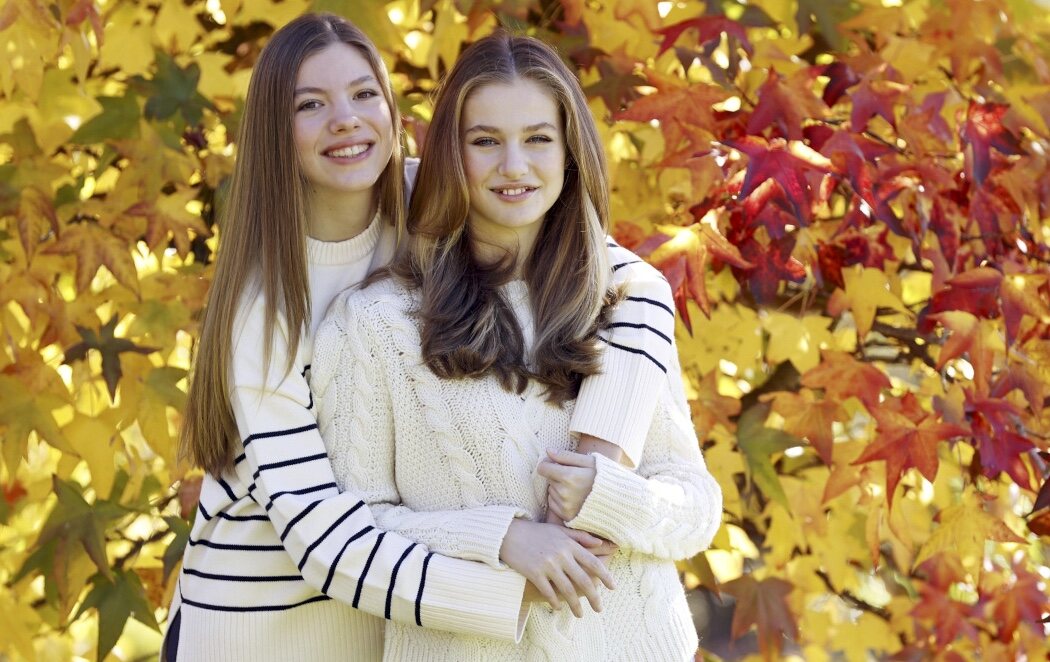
pixel 514 158
pixel 343 129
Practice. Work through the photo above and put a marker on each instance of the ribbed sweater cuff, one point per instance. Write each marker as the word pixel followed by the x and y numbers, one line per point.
pixel 483 530
pixel 617 404
pixel 616 494
pixel 463 596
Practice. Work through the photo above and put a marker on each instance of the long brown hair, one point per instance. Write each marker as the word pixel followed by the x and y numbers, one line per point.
pixel 468 328
pixel 263 227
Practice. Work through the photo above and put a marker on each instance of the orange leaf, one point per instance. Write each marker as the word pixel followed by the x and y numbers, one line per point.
pixel 842 376
pixel 763 604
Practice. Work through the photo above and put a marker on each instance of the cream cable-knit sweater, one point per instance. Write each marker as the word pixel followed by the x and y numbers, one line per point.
pixel 435 459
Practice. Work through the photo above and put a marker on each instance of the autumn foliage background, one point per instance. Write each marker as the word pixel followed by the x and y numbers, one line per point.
pixel 851 198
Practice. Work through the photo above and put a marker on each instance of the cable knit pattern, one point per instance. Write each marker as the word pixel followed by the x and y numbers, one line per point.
pixel 465 446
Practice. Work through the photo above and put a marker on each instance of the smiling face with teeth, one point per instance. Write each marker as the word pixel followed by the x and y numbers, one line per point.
pixel 513 149
pixel 343 129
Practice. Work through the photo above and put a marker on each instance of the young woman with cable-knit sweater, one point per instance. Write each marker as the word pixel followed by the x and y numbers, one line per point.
pixel 448 385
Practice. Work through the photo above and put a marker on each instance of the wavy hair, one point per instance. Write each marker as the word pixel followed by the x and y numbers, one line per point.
pixel 468 328
pixel 263 227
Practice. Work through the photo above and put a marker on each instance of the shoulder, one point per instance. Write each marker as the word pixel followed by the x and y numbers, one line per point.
pixel 379 303
pixel 636 276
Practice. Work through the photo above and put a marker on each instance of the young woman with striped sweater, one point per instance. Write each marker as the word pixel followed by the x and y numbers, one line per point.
pixel 444 383
pixel 281 564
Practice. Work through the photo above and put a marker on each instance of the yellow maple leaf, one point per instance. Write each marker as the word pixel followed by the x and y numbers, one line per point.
pixel 866 290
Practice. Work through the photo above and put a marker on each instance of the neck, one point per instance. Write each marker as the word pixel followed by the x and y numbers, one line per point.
pixel 340 216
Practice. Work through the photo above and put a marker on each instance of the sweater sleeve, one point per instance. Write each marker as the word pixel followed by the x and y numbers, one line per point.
pixel 672 506
pixel 331 534
pixel 356 417
pixel 617 404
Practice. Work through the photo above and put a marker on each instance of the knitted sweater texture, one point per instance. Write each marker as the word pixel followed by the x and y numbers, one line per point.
pixel 450 462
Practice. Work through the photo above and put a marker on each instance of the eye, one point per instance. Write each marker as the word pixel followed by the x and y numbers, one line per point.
pixel 311 104
pixel 539 138
pixel 483 142
pixel 366 94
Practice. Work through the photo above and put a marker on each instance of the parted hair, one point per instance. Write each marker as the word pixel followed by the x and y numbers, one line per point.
pixel 263 228
pixel 467 327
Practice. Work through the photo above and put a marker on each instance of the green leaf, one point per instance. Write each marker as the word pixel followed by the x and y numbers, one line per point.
pixel 173 90
pixel 173 554
pixel 119 119
pixel 758 444
pixel 116 599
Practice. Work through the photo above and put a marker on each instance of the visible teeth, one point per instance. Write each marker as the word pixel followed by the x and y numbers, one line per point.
pixel 513 191
pixel 346 152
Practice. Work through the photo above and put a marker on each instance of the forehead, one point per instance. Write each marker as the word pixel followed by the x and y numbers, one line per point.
pixel 333 66
pixel 518 103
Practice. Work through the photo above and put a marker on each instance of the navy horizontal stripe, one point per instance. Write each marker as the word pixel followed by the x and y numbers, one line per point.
pixel 239 459
pixel 243 578
pixel 335 563
pixel 652 302
pixel 204 511
pixel 419 593
pixel 241 518
pixel 203 605
pixel 229 490
pixel 238 548
pixel 617 267
pixel 633 350
pixel 295 520
pixel 288 463
pixel 393 580
pixel 279 433
pixel 311 405
pixel 617 325
pixel 305 490
pixel 306 369
pixel 364 572
pixel 314 544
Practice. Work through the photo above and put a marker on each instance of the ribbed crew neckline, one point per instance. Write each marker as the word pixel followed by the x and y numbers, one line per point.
pixel 346 251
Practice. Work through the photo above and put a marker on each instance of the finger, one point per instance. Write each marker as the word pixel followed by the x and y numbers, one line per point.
pixel 571 459
pixel 547 591
pixel 567 591
pixel 596 568
pixel 585 585
pixel 554 472
pixel 586 539
pixel 606 548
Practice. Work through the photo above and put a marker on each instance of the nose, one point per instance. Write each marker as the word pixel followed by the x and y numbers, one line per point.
pixel 344 118
pixel 513 163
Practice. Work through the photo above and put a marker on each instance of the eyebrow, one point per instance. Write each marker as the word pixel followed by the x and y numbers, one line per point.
pixel 317 90
pixel 483 128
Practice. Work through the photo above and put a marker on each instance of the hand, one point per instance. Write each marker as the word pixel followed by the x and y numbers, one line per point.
pixel 571 477
pixel 557 562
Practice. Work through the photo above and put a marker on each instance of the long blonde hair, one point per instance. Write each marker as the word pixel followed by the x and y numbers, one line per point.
pixel 263 227
pixel 468 328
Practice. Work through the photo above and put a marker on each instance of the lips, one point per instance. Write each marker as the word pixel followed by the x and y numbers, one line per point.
pixel 347 151
pixel 513 192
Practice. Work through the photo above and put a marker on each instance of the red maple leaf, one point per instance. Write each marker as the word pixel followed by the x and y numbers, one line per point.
pixel 984 130
pixel 854 155
pixel 951 618
pixel 994 425
pixel 785 163
pixel 842 376
pixel 773 263
pixel 1021 601
pixel 685 113
pixel 708 28
pixel 684 263
pixel 873 98
pixel 840 78
pixel 763 604
pixel 785 104
pixel 967 335
pixel 975 291
pixel 907 437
